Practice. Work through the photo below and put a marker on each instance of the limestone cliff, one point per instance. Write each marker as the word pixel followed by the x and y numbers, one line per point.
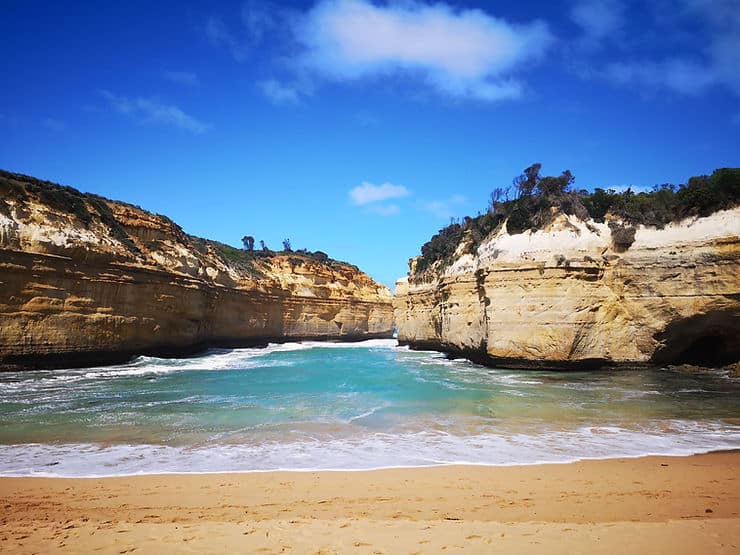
pixel 85 280
pixel 569 296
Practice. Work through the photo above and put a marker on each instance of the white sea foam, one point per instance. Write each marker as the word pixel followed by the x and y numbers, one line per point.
pixel 368 413
pixel 211 360
pixel 379 450
pixel 461 413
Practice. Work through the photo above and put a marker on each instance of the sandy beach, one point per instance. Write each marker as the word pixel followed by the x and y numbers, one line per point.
pixel 646 505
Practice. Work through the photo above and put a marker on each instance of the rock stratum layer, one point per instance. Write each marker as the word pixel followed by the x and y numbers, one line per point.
pixel 85 280
pixel 565 297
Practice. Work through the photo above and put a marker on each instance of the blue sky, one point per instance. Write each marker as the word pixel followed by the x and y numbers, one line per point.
pixel 357 127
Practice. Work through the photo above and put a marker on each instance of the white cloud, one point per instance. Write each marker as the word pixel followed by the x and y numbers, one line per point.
pixel 725 56
pixel 598 18
pixel 182 77
pixel 150 109
pixel 279 93
pixel 258 17
pixel 460 53
pixel 684 76
pixel 369 193
pixel 714 26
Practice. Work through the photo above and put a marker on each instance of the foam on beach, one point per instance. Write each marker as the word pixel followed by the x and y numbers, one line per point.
pixel 356 406
pixel 374 451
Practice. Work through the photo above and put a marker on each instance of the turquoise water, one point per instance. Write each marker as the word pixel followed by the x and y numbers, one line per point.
pixel 350 406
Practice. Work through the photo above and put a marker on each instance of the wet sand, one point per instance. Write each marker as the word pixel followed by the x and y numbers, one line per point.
pixel 647 505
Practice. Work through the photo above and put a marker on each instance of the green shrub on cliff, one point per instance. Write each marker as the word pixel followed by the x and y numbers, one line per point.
pixel 539 199
pixel 243 260
pixel 442 246
pixel 90 210
pixel 701 196
pixel 86 207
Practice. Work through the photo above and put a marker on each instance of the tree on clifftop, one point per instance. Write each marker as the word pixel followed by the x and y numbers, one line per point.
pixel 553 186
pixel 248 242
pixel 539 199
pixel 526 182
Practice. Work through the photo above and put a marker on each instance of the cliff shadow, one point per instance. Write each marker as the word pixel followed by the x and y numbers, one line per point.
pixel 711 339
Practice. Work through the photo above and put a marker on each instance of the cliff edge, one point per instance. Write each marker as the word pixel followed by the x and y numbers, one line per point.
pixel 577 294
pixel 86 280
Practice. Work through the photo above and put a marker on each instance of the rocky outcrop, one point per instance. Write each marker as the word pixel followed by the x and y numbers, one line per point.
pixel 85 280
pixel 575 295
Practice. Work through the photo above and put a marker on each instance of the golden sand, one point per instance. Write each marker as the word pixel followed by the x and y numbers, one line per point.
pixel 649 505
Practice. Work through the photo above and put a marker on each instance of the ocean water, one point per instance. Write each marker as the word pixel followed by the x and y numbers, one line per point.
pixel 371 404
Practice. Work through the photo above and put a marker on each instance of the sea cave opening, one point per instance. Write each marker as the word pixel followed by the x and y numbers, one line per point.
pixel 704 340
pixel 710 350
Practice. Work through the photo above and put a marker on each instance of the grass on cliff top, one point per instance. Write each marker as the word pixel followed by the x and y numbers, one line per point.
pixel 87 207
pixel 244 261
pixel 537 200
pixel 248 260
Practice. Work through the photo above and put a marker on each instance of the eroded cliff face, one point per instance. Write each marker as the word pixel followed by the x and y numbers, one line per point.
pixel 85 280
pixel 567 297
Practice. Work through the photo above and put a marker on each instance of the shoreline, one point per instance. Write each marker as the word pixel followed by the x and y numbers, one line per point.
pixel 678 504
pixel 110 461
pixel 411 467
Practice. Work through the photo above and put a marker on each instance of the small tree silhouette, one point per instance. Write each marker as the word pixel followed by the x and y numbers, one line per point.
pixel 248 242
pixel 286 245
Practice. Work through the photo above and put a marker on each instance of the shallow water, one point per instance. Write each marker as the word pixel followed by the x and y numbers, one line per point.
pixel 348 406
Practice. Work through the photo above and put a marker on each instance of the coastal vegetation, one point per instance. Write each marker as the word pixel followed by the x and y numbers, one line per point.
pixel 247 260
pixel 248 242
pixel 533 201
pixel 88 208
